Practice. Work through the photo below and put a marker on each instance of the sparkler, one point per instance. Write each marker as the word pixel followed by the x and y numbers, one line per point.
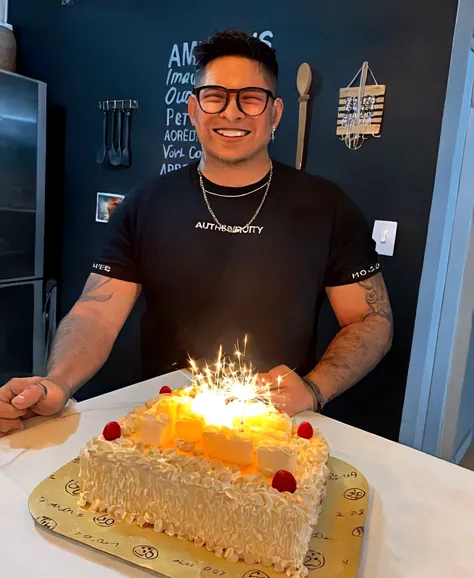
pixel 227 392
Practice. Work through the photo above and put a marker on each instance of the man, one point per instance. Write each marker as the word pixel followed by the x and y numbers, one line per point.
pixel 234 245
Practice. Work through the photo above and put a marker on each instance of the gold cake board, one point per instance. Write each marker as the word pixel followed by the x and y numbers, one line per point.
pixel 334 550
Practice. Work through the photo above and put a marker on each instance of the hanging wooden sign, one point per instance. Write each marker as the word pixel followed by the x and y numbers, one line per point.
pixel 360 110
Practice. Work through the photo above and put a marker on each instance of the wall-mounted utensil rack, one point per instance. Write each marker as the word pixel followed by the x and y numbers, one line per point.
pixel 128 104
pixel 115 145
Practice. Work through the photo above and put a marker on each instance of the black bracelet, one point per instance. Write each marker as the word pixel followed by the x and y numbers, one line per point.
pixel 317 395
pixel 314 399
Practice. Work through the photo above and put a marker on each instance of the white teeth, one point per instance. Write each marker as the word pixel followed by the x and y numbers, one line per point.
pixel 231 133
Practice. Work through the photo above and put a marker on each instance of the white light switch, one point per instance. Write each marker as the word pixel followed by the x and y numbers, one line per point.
pixel 384 235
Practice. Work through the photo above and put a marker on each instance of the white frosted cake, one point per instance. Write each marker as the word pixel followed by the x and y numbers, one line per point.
pixel 247 487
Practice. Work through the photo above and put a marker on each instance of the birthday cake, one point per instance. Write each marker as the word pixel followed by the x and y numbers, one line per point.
pixel 217 465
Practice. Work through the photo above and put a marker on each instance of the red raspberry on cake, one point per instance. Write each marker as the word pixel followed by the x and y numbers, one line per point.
pixel 112 431
pixel 165 389
pixel 284 481
pixel 305 430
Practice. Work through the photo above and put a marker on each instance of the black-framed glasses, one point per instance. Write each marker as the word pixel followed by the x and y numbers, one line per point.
pixel 251 100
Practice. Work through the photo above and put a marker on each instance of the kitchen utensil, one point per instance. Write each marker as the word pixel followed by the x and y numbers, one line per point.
pixel 303 83
pixel 126 139
pixel 112 152
pixel 103 152
pixel 118 142
pixel 115 155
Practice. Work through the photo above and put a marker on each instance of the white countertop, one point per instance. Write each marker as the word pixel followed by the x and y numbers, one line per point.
pixel 420 523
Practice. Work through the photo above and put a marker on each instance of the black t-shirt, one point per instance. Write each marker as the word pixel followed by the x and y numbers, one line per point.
pixel 207 285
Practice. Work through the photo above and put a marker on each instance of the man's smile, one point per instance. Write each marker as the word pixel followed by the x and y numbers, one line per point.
pixel 231 132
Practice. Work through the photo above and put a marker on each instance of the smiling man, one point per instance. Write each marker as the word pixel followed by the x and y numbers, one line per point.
pixel 237 244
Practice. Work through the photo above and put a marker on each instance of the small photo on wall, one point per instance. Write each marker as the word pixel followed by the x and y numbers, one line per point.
pixel 106 205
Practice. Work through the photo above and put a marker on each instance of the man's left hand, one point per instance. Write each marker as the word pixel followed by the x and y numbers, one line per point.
pixel 292 395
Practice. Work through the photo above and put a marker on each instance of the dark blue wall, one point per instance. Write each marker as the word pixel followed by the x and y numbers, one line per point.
pixel 120 49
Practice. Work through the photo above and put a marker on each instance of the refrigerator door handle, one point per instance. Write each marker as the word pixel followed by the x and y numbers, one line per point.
pixel 49 319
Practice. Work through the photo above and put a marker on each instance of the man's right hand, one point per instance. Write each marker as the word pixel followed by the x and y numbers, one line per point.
pixel 23 397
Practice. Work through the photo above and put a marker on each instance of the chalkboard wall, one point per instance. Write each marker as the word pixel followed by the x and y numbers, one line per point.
pixel 141 49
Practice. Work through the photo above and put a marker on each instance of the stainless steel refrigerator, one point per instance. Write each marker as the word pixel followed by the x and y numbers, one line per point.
pixel 26 318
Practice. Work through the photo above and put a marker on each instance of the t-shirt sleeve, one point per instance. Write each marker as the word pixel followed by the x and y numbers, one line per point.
pixel 117 256
pixel 352 255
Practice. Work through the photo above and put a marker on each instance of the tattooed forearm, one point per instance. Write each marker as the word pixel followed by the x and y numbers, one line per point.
pixel 351 355
pixel 80 348
pixel 93 290
pixel 359 346
pixel 85 337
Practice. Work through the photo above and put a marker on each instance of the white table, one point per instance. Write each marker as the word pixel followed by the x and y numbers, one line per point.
pixel 420 523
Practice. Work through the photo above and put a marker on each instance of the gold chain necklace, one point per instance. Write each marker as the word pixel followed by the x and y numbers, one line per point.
pixel 209 208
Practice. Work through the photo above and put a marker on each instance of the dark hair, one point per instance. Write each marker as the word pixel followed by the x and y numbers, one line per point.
pixel 236 43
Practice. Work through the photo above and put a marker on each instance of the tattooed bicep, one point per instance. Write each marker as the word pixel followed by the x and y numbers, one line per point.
pixel 96 289
pixel 376 297
pixel 360 301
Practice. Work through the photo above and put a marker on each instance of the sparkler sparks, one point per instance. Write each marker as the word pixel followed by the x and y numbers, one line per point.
pixel 228 391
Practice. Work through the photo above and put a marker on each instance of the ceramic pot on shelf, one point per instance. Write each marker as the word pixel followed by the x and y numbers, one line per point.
pixel 7 47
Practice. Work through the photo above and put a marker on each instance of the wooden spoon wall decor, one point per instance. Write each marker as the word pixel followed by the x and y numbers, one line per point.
pixel 303 83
